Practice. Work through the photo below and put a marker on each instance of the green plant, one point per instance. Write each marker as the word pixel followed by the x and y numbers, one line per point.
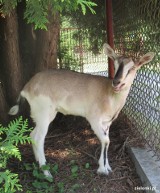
pixel 74 169
pixel 41 183
pixel 74 188
pixel 60 187
pixel 36 12
pixel 12 135
pixel 87 165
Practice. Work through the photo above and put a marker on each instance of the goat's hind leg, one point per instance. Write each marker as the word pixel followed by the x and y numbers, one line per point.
pixel 38 137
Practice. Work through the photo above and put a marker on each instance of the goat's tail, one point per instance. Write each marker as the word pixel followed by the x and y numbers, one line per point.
pixel 16 108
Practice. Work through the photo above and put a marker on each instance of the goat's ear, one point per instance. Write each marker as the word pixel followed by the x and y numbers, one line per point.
pixel 145 59
pixel 109 51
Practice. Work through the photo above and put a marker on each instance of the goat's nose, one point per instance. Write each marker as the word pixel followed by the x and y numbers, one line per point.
pixel 116 82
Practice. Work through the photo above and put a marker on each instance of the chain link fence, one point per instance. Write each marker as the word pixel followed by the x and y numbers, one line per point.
pixel 136 32
pixel 76 52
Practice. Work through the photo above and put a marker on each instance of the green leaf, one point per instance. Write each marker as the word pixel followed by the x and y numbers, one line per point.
pixel 45 167
pixel 74 169
pixel 37 184
pixel 55 168
pixel 89 4
pixel 35 173
pixel 87 165
pixel 15 132
pixel 61 187
pixel 49 179
pixel 28 167
pixel 11 182
pixel 72 162
pixel 75 187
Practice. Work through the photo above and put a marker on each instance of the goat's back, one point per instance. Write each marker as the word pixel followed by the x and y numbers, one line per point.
pixel 55 82
pixel 70 92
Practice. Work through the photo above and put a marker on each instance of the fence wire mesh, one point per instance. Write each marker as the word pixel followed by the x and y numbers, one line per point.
pixel 76 53
pixel 136 32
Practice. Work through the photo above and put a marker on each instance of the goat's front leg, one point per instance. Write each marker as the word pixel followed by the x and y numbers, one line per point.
pixel 101 129
pixel 104 167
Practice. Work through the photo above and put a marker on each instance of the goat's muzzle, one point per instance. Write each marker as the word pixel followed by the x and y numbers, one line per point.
pixel 117 85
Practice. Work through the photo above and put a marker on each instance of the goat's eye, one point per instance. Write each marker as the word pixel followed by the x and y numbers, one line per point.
pixel 128 72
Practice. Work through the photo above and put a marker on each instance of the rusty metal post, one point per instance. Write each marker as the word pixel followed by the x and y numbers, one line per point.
pixel 109 18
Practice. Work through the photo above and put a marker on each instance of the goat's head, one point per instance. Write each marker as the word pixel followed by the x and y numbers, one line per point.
pixel 125 68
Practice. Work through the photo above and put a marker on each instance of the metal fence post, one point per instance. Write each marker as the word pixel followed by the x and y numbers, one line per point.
pixel 110 35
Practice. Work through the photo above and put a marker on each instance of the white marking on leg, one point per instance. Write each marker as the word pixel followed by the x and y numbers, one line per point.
pixel 104 167
pixel 38 137
pixel 42 113
pixel 101 129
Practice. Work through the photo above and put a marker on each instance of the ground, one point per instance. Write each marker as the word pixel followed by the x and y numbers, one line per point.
pixel 72 149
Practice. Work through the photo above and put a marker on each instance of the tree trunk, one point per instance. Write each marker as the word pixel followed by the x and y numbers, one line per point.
pixel 3 106
pixel 27 43
pixel 47 41
pixel 37 49
pixel 13 68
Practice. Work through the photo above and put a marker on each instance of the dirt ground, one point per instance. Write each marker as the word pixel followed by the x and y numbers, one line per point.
pixel 71 141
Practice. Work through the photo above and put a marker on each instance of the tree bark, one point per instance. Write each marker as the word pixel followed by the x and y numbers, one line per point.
pixel 38 50
pixel 46 47
pixel 27 43
pixel 13 68
pixel 3 106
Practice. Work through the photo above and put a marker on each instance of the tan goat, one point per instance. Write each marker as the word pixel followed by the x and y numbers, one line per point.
pixel 96 98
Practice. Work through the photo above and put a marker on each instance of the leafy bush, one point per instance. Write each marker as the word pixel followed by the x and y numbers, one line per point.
pixel 36 12
pixel 12 135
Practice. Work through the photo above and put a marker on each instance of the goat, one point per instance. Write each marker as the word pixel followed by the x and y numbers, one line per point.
pixel 96 98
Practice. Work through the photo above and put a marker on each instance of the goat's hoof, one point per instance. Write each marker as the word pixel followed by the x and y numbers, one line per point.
pixel 104 170
pixel 47 174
